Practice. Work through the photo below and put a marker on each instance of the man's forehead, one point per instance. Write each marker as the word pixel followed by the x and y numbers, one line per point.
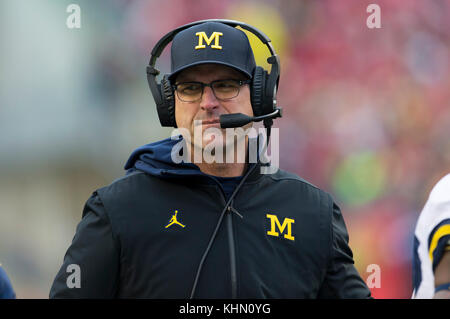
pixel 209 69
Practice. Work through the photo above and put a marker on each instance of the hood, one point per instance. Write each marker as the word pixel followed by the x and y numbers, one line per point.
pixel 155 159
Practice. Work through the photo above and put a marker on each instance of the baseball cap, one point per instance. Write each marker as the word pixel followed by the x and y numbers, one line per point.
pixel 211 42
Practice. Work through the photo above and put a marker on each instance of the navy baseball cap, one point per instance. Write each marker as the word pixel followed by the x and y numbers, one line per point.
pixel 211 42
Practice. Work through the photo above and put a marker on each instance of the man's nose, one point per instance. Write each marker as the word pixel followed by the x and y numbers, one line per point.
pixel 209 100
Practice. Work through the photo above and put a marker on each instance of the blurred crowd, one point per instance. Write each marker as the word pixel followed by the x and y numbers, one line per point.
pixel 366 115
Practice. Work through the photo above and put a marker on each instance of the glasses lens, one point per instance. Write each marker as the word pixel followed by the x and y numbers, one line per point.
pixel 189 92
pixel 226 89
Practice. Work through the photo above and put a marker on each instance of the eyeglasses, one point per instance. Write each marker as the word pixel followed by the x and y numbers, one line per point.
pixel 223 90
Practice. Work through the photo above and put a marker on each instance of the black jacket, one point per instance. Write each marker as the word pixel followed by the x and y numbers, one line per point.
pixel 166 231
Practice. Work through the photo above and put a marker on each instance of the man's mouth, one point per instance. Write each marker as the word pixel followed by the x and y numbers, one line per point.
pixel 210 122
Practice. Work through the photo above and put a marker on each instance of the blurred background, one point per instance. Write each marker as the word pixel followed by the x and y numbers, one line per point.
pixel 366 115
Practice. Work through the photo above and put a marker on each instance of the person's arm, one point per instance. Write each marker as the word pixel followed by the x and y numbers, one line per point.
pixel 6 289
pixel 91 264
pixel 342 279
pixel 442 276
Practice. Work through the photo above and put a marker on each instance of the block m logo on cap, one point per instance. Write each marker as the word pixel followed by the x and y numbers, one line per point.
pixel 214 36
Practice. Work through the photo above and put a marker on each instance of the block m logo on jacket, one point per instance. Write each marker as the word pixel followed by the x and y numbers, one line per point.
pixel 276 225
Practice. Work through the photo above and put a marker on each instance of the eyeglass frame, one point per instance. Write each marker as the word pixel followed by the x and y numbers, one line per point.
pixel 210 84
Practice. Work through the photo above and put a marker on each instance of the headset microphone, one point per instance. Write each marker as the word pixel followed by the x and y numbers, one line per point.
pixel 239 119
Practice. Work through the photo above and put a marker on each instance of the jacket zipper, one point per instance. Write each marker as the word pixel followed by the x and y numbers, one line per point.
pixel 226 211
pixel 232 251
pixel 231 245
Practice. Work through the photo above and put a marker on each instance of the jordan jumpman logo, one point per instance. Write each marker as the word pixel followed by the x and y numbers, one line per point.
pixel 174 220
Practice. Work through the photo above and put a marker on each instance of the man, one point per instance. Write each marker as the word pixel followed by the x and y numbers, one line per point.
pixel 431 259
pixel 201 228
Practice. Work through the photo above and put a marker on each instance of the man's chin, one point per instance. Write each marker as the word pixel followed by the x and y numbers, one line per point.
pixel 211 143
pixel 220 148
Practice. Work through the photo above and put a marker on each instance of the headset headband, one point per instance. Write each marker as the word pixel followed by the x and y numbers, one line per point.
pixel 165 40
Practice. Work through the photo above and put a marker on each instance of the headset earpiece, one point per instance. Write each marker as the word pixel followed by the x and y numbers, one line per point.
pixel 166 106
pixel 257 90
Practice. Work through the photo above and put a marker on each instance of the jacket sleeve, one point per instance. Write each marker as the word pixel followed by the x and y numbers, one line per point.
pixel 342 280
pixel 91 264
pixel 6 289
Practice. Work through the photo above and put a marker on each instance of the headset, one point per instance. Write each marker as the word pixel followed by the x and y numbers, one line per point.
pixel 263 87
